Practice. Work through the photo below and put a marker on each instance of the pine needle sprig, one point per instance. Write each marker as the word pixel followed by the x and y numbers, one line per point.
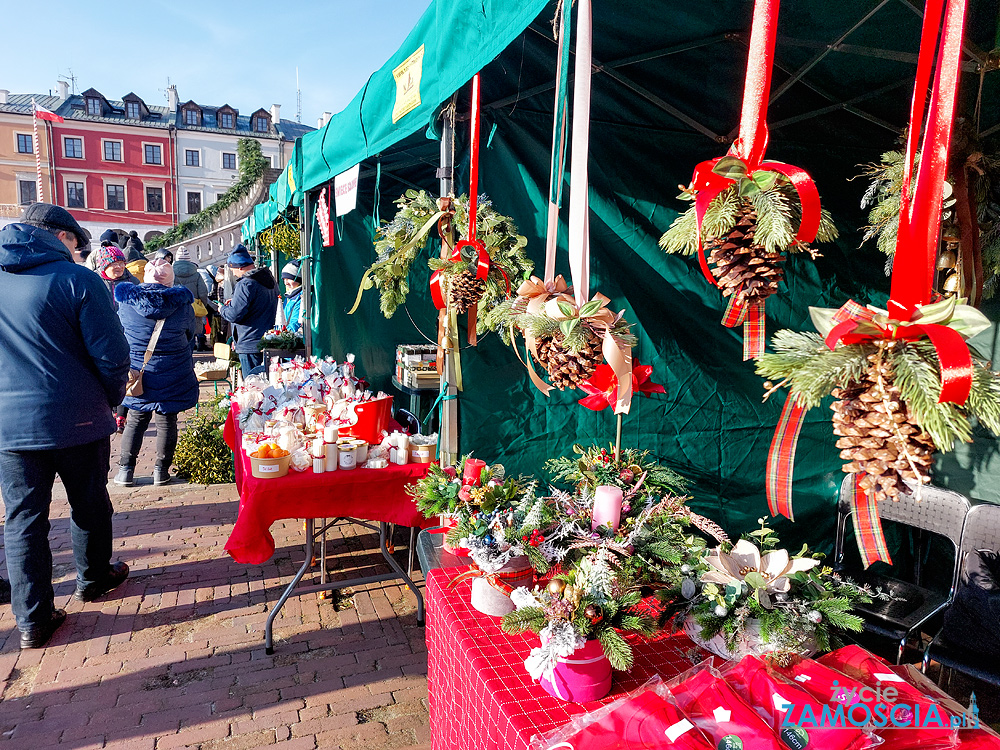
pixel 919 382
pixel 812 368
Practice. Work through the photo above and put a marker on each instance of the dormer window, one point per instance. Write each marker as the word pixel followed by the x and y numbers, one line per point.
pixel 133 111
pixel 94 106
pixel 190 117
pixel 260 124
pixel 225 120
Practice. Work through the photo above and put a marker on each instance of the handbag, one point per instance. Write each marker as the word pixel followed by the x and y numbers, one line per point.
pixel 134 385
pixel 200 311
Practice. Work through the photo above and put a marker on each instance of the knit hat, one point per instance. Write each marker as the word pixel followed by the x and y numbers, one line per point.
pixel 240 257
pixel 55 219
pixel 106 255
pixel 110 235
pixel 158 271
pixel 292 271
pixel 183 253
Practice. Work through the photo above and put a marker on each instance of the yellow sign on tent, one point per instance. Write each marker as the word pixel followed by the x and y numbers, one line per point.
pixel 291 179
pixel 407 76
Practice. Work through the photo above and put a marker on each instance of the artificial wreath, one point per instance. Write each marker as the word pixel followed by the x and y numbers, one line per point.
pixel 746 230
pixel 399 242
pixel 762 599
pixel 887 415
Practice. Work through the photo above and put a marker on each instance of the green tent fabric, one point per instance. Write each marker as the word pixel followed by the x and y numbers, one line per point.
pixel 669 78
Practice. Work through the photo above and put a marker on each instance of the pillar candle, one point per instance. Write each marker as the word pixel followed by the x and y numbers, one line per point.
pixel 319 465
pixel 607 507
pixel 473 471
pixel 318 450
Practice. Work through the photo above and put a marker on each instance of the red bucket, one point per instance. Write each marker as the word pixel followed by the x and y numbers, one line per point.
pixel 373 419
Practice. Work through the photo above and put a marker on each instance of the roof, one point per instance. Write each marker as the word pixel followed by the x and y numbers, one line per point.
pixel 290 129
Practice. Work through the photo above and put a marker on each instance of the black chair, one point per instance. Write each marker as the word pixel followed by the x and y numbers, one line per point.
pixel 955 646
pixel 939 512
pixel 408 421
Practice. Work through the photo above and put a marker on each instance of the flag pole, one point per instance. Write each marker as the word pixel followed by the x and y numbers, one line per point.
pixel 37 149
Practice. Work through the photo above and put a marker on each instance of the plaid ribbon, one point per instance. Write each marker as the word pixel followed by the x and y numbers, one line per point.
pixel 752 318
pixel 497 580
pixel 781 459
pixel 867 525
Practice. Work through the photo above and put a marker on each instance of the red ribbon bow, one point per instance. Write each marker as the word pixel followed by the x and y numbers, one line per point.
pixel 603 386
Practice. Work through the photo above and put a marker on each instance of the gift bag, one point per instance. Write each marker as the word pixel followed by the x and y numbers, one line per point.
pixel 799 719
pixel 642 721
pixel 715 708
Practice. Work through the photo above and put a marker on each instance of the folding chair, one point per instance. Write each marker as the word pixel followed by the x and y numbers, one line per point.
pixel 981 534
pixel 939 512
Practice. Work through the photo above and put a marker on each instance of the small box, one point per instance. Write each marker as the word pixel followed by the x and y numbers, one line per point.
pixel 269 468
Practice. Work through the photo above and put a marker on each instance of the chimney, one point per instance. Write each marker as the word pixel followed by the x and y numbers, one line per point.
pixel 275 113
pixel 3 96
pixel 63 88
pixel 172 98
pixel 324 119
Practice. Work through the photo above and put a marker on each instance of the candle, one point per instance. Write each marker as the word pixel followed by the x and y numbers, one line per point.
pixel 331 458
pixel 607 507
pixel 318 450
pixel 319 465
pixel 330 432
pixel 348 460
pixel 473 471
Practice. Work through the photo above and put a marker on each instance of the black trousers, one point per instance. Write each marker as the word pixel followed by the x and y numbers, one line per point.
pixel 135 428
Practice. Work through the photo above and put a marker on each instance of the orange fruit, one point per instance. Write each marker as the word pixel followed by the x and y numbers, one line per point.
pixel 264 452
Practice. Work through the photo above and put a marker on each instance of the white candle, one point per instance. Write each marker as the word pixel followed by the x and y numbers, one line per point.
pixel 318 449
pixel 607 507
pixel 319 465
pixel 331 458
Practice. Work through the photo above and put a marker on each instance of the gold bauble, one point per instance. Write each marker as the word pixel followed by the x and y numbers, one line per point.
pixel 768 385
pixel 556 587
pixel 947 259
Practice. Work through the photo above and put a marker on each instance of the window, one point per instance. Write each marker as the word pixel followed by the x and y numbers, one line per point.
pixel 260 124
pixel 191 157
pixel 133 111
pixel 229 161
pixel 225 119
pixel 152 153
pixel 74 195
pixel 154 200
pixel 94 106
pixel 116 197
pixel 194 203
pixel 24 144
pixel 26 191
pixel 191 117
pixel 270 161
pixel 73 148
pixel 112 151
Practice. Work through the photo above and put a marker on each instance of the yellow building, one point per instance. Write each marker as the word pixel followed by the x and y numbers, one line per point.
pixel 18 181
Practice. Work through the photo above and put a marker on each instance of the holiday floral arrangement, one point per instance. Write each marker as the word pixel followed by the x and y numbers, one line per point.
pixel 752 597
pixel 568 340
pixel 275 339
pixel 592 466
pixel 400 241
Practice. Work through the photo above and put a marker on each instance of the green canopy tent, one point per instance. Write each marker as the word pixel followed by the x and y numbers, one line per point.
pixel 667 86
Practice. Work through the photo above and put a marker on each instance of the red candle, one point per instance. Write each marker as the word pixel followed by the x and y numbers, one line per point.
pixel 473 471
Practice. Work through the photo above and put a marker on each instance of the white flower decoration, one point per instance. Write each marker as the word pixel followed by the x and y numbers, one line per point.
pixel 745 558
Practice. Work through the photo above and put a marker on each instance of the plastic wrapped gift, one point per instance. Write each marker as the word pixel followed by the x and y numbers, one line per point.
pixel 716 709
pixel 642 720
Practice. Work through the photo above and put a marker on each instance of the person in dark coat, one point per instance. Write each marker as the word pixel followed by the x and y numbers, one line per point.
pixel 63 368
pixel 186 275
pixel 133 239
pixel 252 308
pixel 169 385
pixel 135 261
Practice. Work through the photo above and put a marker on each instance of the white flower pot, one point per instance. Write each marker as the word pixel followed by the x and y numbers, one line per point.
pixel 751 643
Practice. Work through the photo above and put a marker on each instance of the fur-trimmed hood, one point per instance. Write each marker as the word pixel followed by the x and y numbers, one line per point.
pixel 153 300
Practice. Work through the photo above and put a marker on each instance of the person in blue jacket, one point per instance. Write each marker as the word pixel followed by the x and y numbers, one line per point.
pixel 169 385
pixel 252 308
pixel 63 368
pixel 291 275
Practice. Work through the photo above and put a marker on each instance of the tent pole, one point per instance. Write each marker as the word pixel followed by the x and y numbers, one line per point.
pixel 305 254
pixel 448 426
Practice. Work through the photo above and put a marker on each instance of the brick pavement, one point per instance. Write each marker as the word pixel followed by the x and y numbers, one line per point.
pixel 175 658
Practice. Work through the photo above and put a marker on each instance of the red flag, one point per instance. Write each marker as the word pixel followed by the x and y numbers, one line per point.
pixel 46 114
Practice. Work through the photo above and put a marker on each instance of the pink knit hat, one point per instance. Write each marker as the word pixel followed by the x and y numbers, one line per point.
pixel 159 272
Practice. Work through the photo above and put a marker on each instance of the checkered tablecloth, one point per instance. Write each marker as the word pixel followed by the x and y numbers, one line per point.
pixel 482 698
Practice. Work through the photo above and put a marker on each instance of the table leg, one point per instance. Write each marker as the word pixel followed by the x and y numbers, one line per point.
pixel 412 552
pixel 322 558
pixel 268 634
pixel 399 572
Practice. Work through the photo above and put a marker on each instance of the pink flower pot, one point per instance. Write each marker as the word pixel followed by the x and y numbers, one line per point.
pixel 583 676
pixel 448 523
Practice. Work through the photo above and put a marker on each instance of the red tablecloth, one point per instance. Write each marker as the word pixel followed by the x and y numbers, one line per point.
pixel 366 494
pixel 480 694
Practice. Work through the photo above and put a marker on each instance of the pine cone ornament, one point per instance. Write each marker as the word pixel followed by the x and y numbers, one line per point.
pixel 568 369
pixel 740 266
pixel 878 436
pixel 465 290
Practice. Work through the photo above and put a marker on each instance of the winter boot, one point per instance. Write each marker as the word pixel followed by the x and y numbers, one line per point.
pixel 161 476
pixel 125 476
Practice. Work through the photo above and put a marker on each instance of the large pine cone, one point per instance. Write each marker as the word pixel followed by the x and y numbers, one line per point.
pixel 465 290
pixel 566 369
pixel 877 435
pixel 740 266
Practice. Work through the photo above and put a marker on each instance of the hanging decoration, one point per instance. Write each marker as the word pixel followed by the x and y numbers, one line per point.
pixel 749 212
pixel 905 381
pixel 568 331
pixel 603 386
pixel 326 227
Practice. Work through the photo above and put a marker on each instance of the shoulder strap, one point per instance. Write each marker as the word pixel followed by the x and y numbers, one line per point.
pixel 152 343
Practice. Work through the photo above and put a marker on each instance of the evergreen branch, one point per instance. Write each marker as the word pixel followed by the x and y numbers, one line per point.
pixel 917 377
pixel 526 618
pixel 616 648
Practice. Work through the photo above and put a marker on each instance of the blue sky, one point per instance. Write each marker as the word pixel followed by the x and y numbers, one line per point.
pixel 215 52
